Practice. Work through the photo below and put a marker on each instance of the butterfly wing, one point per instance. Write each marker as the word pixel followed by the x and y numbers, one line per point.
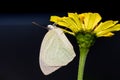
pixel 47 69
pixel 56 51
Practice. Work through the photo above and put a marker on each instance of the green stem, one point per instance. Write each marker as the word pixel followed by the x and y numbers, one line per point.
pixel 85 40
pixel 82 60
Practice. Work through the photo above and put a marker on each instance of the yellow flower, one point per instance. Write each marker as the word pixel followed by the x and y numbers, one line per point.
pixel 87 22
pixel 85 27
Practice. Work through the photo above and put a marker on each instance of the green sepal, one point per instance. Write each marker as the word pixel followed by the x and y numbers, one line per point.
pixel 85 39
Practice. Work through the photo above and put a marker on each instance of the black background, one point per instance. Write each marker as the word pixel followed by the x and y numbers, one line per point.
pixel 20 40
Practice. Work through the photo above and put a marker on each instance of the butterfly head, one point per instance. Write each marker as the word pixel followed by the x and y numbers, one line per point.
pixel 50 27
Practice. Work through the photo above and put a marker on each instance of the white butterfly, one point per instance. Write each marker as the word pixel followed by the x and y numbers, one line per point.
pixel 56 50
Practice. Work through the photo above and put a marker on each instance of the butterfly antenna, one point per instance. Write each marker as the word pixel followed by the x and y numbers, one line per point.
pixel 39 25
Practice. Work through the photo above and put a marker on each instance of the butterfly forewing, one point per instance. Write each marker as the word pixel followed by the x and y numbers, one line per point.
pixel 56 51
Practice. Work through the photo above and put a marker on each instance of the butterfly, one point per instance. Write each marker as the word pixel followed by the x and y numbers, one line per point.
pixel 55 51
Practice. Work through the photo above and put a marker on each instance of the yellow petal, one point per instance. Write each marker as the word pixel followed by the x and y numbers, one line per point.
pixel 105 25
pixel 55 19
pixel 69 32
pixel 81 17
pixel 71 23
pixel 85 19
pixel 63 21
pixel 105 34
pixel 91 20
pixel 76 19
pixel 114 28
pixel 109 30
pixel 64 24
